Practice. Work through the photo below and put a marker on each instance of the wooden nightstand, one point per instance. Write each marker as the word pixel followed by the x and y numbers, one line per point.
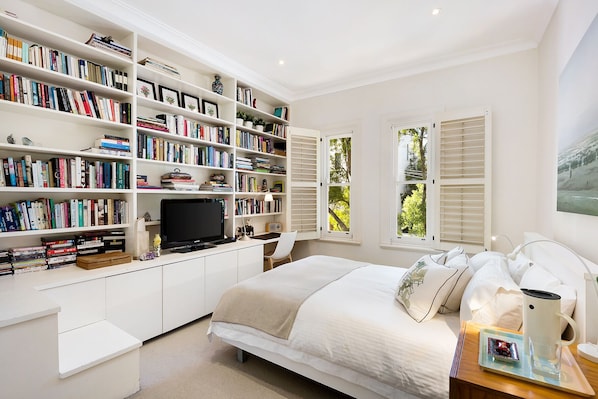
pixel 468 380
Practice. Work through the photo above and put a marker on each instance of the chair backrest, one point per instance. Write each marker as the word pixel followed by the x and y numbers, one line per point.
pixel 285 244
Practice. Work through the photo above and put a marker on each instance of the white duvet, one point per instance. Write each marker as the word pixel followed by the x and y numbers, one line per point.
pixel 355 329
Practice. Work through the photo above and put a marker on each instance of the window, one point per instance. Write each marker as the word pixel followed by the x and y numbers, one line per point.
pixel 336 187
pixel 412 186
pixel 440 195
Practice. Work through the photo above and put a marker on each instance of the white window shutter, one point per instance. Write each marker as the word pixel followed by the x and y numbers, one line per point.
pixel 464 180
pixel 303 182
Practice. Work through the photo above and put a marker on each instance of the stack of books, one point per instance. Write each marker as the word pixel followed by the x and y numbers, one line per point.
pixel 216 186
pixel 261 164
pixel 28 259
pixel 89 243
pixel 106 43
pixel 180 184
pixel 243 163
pixel 160 67
pixel 5 265
pixel 142 183
pixel 60 251
pixel 152 123
pixel 114 241
pixel 277 169
pixel 116 143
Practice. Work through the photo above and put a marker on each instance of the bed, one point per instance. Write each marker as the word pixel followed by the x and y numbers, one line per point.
pixel 351 330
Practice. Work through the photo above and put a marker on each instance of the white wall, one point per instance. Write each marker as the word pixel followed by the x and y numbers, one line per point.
pixel 568 25
pixel 507 84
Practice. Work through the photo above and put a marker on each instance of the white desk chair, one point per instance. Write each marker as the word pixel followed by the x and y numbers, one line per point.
pixel 283 249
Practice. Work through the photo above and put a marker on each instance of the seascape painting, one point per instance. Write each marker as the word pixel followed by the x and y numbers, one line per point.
pixel 577 185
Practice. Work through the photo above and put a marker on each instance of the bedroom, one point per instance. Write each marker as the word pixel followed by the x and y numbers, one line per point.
pixel 521 88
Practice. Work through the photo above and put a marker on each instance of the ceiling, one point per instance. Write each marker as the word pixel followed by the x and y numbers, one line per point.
pixel 330 45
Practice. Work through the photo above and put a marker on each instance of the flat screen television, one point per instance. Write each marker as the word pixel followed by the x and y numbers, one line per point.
pixel 190 224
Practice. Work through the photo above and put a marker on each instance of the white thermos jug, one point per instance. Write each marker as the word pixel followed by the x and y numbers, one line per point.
pixel 542 331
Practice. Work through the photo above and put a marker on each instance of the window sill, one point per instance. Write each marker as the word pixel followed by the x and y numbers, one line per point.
pixel 340 240
pixel 411 248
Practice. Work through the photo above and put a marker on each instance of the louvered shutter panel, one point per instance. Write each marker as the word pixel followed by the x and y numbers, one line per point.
pixel 303 180
pixel 464 182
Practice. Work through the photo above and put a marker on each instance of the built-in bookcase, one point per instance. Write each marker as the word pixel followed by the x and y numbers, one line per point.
pixel 251 159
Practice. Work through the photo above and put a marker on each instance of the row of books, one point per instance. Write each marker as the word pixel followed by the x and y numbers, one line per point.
pixel 247 184
pixel 23 90
pixel 245 96
pixel 254 206
pixel 254 142
pixel 282 112
pixel 160 67
pixel 276 129
pixel 40 56
pixel 47 213
pixel 62 172
pixel 57 252
pixel 161 149
pixel 181 126
pixel 107 43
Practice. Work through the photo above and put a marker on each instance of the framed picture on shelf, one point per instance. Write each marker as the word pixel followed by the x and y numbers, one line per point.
pixel 146 89
pixel 209 108
pixel 190 102
pixel 169 96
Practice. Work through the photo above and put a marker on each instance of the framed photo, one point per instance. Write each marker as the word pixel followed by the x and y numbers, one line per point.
pixel 190 102
pixel 169 96
pixel 146 89
pixel 210 108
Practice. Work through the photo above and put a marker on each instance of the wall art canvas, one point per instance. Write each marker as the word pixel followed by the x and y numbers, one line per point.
pixel 577 185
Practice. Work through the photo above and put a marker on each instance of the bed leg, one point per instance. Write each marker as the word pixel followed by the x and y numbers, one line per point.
pixel 241 356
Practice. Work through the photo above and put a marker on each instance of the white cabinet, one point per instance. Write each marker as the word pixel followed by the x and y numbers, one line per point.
pixel 221 273
pixel 80 304
pixel 134 302
pixel 250 262
pixel 183 293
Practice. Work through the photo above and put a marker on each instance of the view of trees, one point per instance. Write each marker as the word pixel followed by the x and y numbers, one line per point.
pixel 411 216
pixel 339 192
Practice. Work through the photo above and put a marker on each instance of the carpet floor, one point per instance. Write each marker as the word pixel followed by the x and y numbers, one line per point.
pixel 184 364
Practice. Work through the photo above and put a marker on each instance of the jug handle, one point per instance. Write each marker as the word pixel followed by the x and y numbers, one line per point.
pixel 573 326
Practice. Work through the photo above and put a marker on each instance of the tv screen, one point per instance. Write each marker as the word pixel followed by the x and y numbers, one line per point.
pixel 190 223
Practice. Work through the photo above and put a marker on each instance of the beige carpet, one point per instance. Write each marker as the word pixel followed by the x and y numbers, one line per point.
pixel 184 364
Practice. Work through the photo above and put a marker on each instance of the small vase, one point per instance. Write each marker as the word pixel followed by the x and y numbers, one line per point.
pixel 240 121
pixel 217 86
pixel 259 128
pixel 248 124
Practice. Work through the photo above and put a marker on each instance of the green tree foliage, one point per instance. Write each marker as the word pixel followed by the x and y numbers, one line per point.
pixel 339 199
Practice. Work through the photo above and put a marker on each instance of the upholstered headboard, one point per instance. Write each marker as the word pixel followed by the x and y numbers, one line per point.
pixel 565 265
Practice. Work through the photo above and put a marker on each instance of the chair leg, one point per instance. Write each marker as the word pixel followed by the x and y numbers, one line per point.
pixel 271 263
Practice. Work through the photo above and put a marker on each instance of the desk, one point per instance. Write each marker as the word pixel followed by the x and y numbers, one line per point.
pixel 468 380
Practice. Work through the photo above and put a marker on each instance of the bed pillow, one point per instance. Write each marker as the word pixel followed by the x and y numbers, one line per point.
pixel 444 257
pixel 480 259
pixel 518 266
pixel 452 302
pixel 492 297
pixel 424 287
pixel 538 278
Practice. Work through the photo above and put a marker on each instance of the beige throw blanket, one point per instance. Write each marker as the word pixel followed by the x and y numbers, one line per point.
pixel 269 302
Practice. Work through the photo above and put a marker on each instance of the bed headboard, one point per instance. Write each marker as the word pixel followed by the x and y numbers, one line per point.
pixel 565 265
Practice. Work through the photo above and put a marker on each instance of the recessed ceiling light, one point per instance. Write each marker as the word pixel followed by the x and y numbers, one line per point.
pixel 280 62
pixel 436 11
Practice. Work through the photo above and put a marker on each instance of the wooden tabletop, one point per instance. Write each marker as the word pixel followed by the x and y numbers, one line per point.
pixel 469 380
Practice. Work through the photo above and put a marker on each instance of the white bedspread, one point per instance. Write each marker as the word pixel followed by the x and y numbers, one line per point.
pixel 355 329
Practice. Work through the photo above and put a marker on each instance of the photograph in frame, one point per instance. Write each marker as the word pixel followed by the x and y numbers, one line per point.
pixel 169 96
pixel 190 102
pixel 146 89
pixel 210 108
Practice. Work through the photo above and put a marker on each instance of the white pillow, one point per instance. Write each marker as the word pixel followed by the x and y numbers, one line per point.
pixel 518 267
pixel 464 274
pixel 444 257
pixel 538 278
pixel 480 259
pixel 492 297
pixel 424 287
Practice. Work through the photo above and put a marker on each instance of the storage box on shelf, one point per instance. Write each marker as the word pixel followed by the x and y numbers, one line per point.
pixel 59 96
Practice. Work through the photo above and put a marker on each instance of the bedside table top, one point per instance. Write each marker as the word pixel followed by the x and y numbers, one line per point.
pixel 468 379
